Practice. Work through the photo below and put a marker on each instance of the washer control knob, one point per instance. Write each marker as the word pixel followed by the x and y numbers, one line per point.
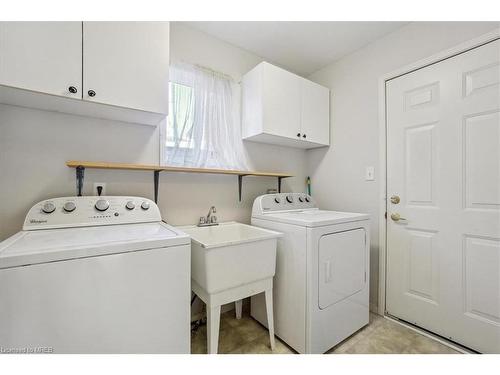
pixel 289 199
pixel 277 199
pixel 69 206
pixel 130 205
pixel 307 199
pixel 145 205
pixel 101 205
pixel 48 207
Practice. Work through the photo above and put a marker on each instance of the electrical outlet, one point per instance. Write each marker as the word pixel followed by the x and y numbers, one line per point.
pixel 98 185
pixel 370 174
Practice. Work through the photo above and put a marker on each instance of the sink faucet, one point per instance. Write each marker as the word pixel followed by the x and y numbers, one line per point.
pixel 210 219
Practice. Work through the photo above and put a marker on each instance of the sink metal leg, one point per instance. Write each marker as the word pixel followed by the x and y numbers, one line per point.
pixel 270 316
pixel 238 306
pixel 213 320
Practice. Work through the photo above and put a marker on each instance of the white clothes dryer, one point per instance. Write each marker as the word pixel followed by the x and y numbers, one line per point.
pixel 321 285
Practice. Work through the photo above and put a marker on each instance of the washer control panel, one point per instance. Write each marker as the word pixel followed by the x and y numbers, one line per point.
pixel 90 211
pixel 282 202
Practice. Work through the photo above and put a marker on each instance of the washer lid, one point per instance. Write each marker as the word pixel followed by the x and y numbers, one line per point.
pixel 32 247
pixel 313 217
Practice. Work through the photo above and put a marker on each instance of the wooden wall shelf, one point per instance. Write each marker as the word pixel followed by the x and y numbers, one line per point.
pixel 156 169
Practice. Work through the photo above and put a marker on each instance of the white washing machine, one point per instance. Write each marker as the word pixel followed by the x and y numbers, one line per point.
pixel 95 275
pixel 321 286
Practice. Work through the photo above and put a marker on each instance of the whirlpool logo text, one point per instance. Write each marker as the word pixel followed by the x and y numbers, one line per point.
pixel 36 221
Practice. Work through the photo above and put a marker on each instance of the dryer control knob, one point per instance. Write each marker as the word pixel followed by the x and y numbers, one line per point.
pixel 48 207
pixel 145 205
pixel 277 200
pixel 101 205
pixel 307 199
pixel 289 199
pixel 69 206
pixel 301 199
pixel 130 205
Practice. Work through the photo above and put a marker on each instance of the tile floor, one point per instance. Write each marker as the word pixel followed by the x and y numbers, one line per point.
pixel 381 336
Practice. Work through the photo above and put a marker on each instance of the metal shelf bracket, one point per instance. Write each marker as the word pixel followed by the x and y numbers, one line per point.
pixel 80 172
pixel 240 183
pixel 156 181
pixel 279 184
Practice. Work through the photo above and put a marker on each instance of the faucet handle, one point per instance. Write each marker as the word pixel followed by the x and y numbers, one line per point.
pixel 202 220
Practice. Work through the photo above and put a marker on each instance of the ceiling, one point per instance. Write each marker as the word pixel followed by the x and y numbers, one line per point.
pixel 302 47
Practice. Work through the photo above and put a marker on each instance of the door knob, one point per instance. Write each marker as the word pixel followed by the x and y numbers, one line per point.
pixel 298 134
pixel 397 217
pixel 72 89
pixel 304 136
pixel 395 199
pixel 91 93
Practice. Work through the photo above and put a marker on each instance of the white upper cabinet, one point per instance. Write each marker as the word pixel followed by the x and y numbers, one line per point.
pixel 111 70
pixel 42 56
pixel 279 107
pixel 281 100
pixel 126 64
pixel 315 113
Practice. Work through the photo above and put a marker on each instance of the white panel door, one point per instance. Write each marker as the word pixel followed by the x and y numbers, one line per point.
pixel 281 98
pixel 42 56
pixel 443 161
pixel 126 64
pixel 315 113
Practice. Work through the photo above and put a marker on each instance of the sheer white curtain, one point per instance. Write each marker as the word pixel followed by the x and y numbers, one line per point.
pixel 203 128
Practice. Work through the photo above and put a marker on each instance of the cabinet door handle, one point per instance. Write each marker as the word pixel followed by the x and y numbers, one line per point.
pixel 72 89
pixel 91 93
pixel 298 134
pixel 304 136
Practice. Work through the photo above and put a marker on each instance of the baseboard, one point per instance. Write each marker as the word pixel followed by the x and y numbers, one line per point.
pixel 432 336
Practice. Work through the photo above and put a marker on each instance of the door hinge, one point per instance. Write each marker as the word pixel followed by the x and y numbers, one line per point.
pixel 385 215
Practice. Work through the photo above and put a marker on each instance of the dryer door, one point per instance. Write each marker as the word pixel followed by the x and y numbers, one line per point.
pixel 342 271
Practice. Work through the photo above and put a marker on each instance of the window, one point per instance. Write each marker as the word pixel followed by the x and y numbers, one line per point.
pixel 180 122
pixel 203 127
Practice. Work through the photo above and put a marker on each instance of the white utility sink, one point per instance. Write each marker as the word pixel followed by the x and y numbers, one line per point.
pixel 229 262
pixel 231 254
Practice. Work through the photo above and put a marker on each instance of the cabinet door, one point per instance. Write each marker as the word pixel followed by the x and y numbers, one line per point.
pixel 126 64
pixel 281 100
pixel 42 56
pixel 315 115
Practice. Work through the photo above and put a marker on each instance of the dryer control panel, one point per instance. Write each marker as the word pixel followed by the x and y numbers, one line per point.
pixel 67 212
pixel 282 202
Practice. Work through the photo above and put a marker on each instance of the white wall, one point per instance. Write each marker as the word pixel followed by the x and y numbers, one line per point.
pixel 34 146
pixel 338 172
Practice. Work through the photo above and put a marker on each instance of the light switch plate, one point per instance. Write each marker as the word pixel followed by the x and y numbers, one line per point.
pixel 370 174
